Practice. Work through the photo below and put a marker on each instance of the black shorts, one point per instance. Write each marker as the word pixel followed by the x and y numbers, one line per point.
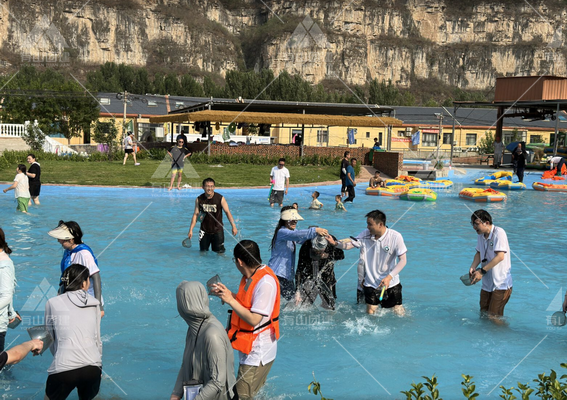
pixel 86 380
pixel 392 296
pixel 215 240
pixel 35 188
pixel 128 151
pixel 277 197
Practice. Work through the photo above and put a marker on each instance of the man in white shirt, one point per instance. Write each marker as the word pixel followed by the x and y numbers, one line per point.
pixel 498 150
pixel 280 179
pixel 382 258
pixel 557 162
pixel 493 254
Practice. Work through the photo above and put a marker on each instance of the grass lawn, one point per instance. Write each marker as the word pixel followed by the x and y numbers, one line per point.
pixel 156 173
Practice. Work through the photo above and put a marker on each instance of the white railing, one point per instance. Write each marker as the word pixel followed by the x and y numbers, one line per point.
pixel 51 145
pixel 12 130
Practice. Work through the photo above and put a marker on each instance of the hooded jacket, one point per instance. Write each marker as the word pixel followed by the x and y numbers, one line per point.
pixel 208 355
pixel 7 286
pixel 73 319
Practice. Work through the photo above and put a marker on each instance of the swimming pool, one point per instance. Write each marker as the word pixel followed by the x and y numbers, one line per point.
pixel 351 354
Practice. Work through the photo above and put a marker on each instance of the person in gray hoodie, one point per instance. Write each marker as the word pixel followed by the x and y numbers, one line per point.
pixel 208 355
pixel 73 319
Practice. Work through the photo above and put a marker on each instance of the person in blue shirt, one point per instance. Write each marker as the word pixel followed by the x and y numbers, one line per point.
pixel 282 260
pixel 350 180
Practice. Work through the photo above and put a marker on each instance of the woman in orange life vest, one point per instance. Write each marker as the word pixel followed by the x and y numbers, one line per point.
pixel 254 326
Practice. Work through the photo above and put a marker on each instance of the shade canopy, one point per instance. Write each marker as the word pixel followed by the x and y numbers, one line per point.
pixel 278 118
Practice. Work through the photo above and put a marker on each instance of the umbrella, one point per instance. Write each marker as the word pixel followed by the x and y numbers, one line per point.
pixel 511 146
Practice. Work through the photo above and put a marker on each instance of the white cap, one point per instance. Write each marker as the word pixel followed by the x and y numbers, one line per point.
pixel 291 215
pixel 61 232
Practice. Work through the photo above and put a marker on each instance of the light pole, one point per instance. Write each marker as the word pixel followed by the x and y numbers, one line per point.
pixel 439 133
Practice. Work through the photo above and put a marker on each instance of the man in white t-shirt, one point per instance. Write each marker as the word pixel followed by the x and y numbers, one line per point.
pixel 493 255
pixel 279 177
pixel 557 162
pixel 254 323
pixel 129 148
pixel 21 189
pixel 382 258
pixel 498 150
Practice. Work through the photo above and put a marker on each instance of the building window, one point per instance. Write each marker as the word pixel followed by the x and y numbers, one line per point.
pixel 536 139
pixel 179 104
pixel 105 101
pixel 380 138
pixel 446 138
pixel 429 139
pixel 401 133
pixel 471 139
pixel 152 103
pixel 323 136
pixel 367 135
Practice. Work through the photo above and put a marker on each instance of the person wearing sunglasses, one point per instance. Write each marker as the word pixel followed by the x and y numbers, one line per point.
pixel 284 241
pixel 70 237
pixel 493 255
pixel 178 155
pixel 280 176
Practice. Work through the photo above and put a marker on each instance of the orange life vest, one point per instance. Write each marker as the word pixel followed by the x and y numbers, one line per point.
pixel 242 334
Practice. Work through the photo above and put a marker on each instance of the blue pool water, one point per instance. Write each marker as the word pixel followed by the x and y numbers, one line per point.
pixel 353 355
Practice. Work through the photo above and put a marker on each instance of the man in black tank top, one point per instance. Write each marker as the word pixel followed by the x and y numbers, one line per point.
pixel 208 210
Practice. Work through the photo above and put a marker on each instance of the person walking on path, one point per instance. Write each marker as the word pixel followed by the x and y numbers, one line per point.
pixel 208 356
pixel 383 255
pixel 34 176
pixel 280 176
pixel 208 210
pixel 21 189
pixel 344 165
pixel 351 181
pixel 129 148
pixel 493 255
pixel 178 155
pixel 254 322
pixel 283 245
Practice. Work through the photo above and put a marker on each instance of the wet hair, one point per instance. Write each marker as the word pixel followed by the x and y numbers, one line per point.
pixel 75 230
pixel 346 153
pixel 3 244
pixel 377 216
pixel 294 205
pixel 281 224
pixel 316 193
pixel 31 155
pixel 74 277
pixel 207 180
pixel 483 215
pixel 248 252
pixel 22 168
pixel 338 196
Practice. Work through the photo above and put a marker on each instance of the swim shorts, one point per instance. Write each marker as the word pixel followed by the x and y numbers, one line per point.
pixel 214 240
pixel 277 197
pixel 176 170
pixel 128 151
pixel 23 204
pixel 392 296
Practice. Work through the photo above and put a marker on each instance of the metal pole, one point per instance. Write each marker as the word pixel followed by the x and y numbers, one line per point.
pixel 453 134
pixel 125 102
pixel 556 143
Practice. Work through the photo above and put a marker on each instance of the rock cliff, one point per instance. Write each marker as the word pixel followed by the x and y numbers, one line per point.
pixel 465 43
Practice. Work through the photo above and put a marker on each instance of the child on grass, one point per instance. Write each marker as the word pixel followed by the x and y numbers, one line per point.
pixel 340 205
pixel 315 204
pixel 21 187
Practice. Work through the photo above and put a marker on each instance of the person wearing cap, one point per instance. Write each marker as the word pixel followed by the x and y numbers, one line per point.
pixel 382 258
pixel 129 148
pixel 285 238
pixel 70 235
pixel 316 272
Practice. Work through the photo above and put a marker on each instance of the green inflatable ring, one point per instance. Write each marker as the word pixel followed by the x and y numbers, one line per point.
pixel 232 127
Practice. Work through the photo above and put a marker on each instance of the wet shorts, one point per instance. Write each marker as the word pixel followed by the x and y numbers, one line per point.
pixel 213 240
pixel 128 151
pixel 175 170
pixel 23 204
pixel 86 380
pixel 277 197
pixel 392 296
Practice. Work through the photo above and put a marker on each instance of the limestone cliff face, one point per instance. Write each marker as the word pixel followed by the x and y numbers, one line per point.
pixel 467 43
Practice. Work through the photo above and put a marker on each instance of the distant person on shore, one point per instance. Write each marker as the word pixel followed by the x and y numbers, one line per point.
pixel 350 180
pixel 519 156
pixel 178 155
pixel 34 174
pixel 376 181
pixel 376 145
pixel 280 176
pixel 21 189
pixel 498 150
pixel 557 162
pixel 208 356
pixel 129 148
pixel 315 204
pixel 339 206
pixel 343 173
pixel 208 210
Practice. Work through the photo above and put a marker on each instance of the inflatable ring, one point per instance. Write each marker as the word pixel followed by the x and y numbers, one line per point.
pixel 232 127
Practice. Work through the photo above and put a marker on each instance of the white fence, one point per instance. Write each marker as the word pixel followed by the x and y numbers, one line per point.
pixel 12 130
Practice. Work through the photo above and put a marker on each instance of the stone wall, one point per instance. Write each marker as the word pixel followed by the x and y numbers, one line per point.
pixel 389 163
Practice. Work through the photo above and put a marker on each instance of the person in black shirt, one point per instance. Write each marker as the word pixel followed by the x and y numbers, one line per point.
pixel 34 174
pixel 519 156
pixel 344 164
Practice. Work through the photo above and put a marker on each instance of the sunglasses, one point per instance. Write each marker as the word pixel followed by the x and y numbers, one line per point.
pixel 292 222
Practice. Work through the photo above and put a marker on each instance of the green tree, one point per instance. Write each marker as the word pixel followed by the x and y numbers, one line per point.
pixel 106 133
pixel 34 137
pixel 486 144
